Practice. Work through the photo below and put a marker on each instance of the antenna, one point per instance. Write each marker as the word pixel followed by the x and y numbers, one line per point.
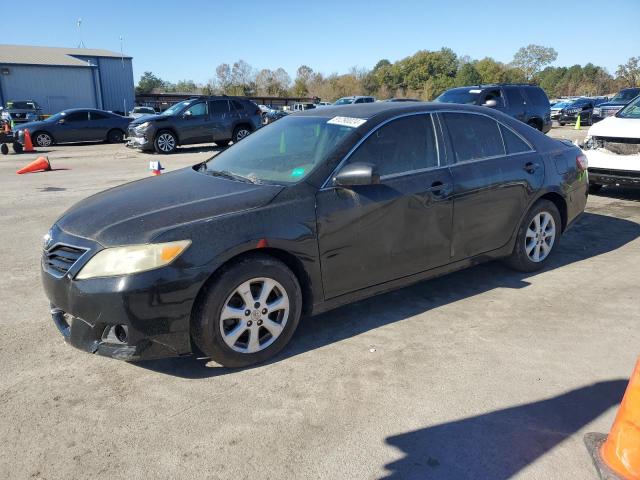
pixel 79 25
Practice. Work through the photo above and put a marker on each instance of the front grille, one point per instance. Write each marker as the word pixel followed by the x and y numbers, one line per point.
pixel 619 146
pixel 61 258
pixel 609 111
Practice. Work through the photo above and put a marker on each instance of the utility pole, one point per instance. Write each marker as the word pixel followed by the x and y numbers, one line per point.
pixel 79 25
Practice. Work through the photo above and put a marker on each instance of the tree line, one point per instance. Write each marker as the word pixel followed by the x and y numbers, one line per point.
pixel 423 75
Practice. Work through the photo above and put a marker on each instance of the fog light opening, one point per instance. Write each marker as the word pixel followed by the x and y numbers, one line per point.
pixel 118 334
pixel 121 332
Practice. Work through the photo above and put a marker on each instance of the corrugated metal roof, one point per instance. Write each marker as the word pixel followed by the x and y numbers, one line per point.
pixel 30 55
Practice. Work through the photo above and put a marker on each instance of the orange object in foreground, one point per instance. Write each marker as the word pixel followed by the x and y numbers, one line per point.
pixel 28 146
pixel 621 451
pixel 39 164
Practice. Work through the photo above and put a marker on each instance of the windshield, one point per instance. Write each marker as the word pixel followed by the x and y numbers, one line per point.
pixel 143 110
pixel 22 105
pixel 284 152
pixel 176 108
pixel 632 110
pixel 469 97
pixel 625 96
pixel 560 105
pixel 344 101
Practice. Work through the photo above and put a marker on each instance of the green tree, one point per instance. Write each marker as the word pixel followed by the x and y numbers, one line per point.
pixel 629 73
pixel 468 75
pixel 148 82
pixel 532 58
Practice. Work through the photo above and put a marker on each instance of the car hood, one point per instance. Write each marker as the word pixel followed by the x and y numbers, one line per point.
pixel 616 127
pixel 139 211
pixel 612 104
pixel 32 126
pixel 149 118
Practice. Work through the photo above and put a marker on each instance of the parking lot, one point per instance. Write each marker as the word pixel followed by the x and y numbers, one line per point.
pixel 485 373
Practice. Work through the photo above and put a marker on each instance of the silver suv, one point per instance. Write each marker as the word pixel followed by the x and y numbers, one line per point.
pixel 354 99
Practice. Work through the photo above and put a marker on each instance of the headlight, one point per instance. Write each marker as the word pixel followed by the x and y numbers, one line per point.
pixel 132 259
pixel 142 127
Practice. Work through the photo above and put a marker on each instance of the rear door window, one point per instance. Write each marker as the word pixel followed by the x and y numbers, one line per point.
pixel 238 106
pixel 474 137
pixel 219 106
pixel 401 146
pixel 512 142
pixel 514 97
pixel 76 117
pixel 98 116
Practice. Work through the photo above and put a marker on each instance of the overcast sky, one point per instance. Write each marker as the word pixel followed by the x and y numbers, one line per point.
pixel 188 39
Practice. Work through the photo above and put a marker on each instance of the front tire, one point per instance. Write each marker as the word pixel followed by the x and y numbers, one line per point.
pixel 248 312
pixel 43 139
pixel 537 237
pixel 165 142
pixel 17 147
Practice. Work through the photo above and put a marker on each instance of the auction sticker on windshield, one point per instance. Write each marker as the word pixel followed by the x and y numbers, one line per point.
pixel 347 121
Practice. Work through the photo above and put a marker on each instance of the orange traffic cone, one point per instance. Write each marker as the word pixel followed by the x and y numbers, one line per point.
pixel 28 146
pixel 617 456
pixel 40 163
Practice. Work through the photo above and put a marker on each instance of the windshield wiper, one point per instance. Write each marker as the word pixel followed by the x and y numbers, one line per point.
pixel 232 176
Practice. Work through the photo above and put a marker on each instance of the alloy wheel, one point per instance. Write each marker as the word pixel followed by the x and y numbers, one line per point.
pixel 43 140
pixel 254 315
pixel 166 142
pixel 243 132
pixel 540 237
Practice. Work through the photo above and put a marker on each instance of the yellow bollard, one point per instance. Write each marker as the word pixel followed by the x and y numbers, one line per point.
pixel 577 127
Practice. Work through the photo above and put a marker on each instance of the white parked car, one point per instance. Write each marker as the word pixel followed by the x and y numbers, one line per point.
pixel 612 147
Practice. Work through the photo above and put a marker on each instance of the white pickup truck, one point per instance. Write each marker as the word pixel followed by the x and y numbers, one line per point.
pixel 612 147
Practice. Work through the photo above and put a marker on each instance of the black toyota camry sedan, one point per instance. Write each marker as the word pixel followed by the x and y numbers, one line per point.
pixel 319 209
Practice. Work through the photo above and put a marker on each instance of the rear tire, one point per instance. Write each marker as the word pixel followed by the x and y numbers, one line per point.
pixel 594 188
pixel 537 238
pixel 247 312
pixel 240 132
pixel 4 149
pixel 115 136
pixel 562 124
pixel 534 124
pixel 17 147
pixel 165 142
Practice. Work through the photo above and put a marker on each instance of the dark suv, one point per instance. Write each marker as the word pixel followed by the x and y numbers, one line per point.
pixel 527 103
pixel 21 111
pixel 196 120
pixel 610 108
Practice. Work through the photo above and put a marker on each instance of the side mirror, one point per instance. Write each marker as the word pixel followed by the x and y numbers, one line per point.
pixel 357 174
pixel 493 103
pixel 187 114
pixel 61 121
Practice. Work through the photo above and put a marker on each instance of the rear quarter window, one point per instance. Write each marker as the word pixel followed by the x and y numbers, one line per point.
pixel 512 142
pixel 238 105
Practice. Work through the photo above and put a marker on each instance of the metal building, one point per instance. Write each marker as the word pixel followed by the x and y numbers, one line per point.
pixel 61 78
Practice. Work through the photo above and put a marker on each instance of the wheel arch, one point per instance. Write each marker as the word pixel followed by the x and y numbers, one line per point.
pixel 169 129
pixel 539 124
pixel 560 203
pixel 37 132
pixel 290 260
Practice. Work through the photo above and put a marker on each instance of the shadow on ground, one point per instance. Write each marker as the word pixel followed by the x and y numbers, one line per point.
pixel 497 445
pixel 591 236
pixel 622 193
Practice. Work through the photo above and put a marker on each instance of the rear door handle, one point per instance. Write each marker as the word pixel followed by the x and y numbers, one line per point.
pixel 531 167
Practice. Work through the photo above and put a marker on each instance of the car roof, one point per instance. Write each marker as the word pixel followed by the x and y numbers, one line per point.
pixel 367 111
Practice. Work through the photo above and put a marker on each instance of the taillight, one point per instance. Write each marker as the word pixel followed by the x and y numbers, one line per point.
pixel 581 162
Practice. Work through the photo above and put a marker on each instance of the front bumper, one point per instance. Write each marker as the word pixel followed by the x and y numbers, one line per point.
pixel 153 307
pixel 138 142
pixel 606 168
